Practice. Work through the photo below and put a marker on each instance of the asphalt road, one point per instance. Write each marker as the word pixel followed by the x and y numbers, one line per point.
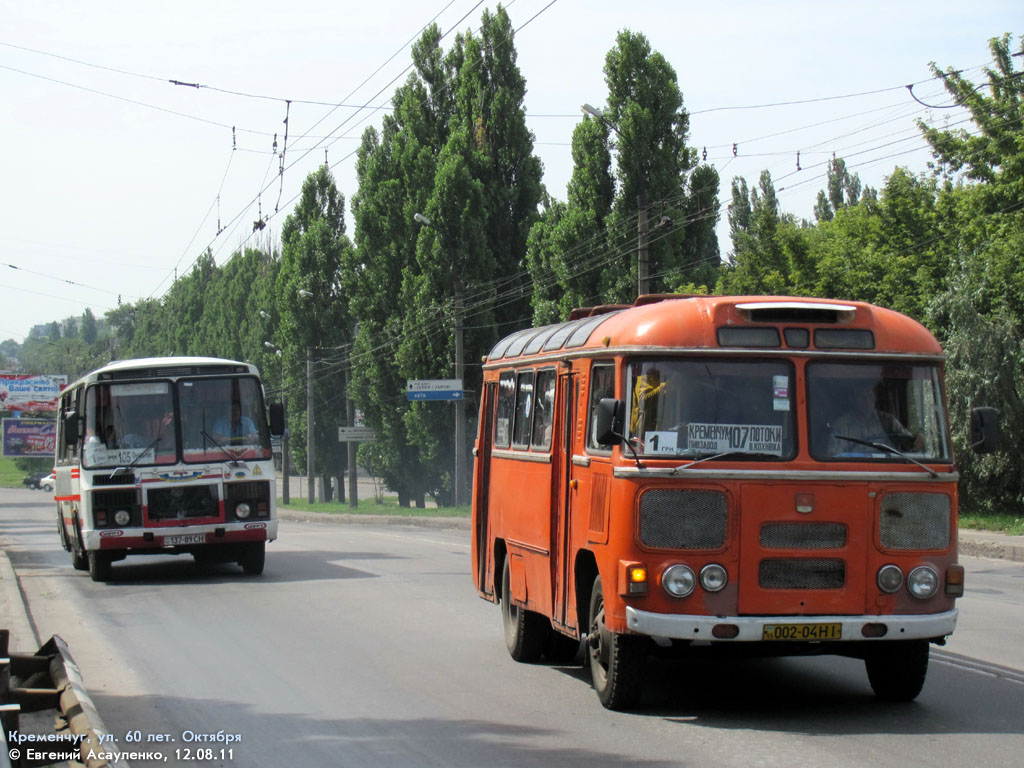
pixel 367 646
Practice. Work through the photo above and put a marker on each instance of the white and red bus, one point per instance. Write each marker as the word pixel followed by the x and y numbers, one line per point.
pixel 166 456
pixel 761 474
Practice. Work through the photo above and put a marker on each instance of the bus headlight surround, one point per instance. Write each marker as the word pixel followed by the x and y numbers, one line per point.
pixel 713 577
pixel 923 582
pixel 242 511
pixel 890 578
pixel 678 580
pixel 122 517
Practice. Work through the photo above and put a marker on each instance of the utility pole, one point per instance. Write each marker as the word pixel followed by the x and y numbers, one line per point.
pixel 350 419
pixel 285 496
pixel 310 440
pixel 460 408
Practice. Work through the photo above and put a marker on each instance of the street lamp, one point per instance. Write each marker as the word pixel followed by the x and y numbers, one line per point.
pixel 285 496
pixel 642 286
pixel 460 410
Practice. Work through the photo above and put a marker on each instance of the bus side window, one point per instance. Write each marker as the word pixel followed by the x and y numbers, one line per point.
pixel 544 410
pixel 505 408
pixel 602 384
pixel 524 410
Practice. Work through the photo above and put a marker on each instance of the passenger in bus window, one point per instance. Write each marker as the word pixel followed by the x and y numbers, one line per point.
pixel 867 422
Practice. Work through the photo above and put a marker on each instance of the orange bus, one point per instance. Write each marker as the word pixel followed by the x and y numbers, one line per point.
pixel 765 474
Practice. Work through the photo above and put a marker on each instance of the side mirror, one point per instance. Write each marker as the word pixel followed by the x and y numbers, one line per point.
pixel 70 428
pixel 984 430
pixel 608 421
pixel 276 419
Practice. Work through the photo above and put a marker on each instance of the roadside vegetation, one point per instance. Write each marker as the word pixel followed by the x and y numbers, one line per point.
pixel 453 227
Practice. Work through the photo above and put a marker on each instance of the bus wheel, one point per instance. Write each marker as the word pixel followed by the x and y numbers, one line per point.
pixel 897 670
pixel 616 661
pixel 525 631
pixel 78 558
pixel 253 559
pixel 100 567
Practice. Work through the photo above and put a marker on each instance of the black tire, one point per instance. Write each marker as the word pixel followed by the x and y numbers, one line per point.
pixel 897 670
pixel 78 556
pixel 65 544
pixel 525 631
pixel 560 649
pixel 47 487
pixel 254 558
pixel 616 660
pixel 100 568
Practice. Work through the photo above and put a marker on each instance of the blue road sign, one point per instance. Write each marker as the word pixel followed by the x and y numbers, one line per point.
pixel 445 394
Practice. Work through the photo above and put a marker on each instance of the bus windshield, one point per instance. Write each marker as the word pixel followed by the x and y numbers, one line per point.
pixel 222 418
pixel 863 411
pixel 704 407
pixel 138 424
pixel 129 424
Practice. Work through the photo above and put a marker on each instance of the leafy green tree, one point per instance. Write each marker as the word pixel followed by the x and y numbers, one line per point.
pixel 89 331
pixel 655 169
pixel 456 150
pixel 314 317
pixel 991 154
pixel 567 248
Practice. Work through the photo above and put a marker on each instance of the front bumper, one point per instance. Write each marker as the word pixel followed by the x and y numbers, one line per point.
pixel 676 627
pixel 153 538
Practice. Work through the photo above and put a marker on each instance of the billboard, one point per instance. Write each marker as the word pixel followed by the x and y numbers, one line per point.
pixel 29 437
pixel 30 392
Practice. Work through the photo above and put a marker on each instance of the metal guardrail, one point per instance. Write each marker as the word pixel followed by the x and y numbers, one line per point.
pixel 49 679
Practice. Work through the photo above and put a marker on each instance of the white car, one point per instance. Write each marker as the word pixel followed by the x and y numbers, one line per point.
pixel 46 483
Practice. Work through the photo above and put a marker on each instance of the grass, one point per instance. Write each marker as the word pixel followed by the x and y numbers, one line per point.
pixel 11 476
pixel 1011 524
pixel 373 507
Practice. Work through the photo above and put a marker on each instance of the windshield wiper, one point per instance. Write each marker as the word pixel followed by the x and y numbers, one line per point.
pixel 723 455
pixel 137 458
pixel 889 449
pixel 231 457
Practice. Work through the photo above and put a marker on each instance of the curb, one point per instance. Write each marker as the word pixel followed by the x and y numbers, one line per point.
pixel 437 523
pixel 13 608
pixel 998 546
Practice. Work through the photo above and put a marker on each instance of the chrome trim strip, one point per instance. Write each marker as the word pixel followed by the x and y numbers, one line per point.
pixel 543 458
pixel 581 461
pixel 514 544
pixel 632 473
pixel 684 627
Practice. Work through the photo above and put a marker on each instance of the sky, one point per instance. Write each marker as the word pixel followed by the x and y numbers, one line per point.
pixel 113 180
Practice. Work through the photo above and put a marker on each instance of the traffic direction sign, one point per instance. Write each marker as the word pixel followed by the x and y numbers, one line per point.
pixel 433 389
pixel 355 434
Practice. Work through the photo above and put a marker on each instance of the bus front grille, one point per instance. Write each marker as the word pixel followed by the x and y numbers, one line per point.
pixel 683 519
pixel 803 535
pixel 181 502
pixel 802 573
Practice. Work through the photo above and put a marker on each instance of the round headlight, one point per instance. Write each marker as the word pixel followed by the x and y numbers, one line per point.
pixel 890 578
pixel 923 582
pixel 242 511
pixel 678 580
pixel 713 577
pixel 122 517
